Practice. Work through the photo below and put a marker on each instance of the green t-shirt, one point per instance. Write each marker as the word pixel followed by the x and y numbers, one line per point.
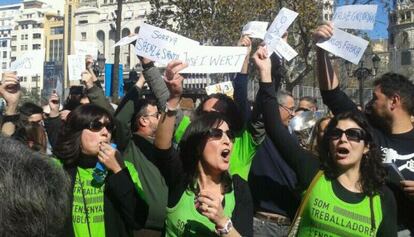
pixel 244 149
pixel 94 200
pixel 185 220
pixel 327 215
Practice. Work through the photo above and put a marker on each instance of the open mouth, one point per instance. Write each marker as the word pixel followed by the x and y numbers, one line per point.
pixel 342 151
pixel 225 154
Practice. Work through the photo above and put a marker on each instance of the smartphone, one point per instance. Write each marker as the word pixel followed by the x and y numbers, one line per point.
pixel 394 174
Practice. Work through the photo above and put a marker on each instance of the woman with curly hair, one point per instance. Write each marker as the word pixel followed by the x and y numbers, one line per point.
pixel 345 189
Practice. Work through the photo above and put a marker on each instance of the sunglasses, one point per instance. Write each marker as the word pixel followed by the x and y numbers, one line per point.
pixel 352 134
pixel 96 126
pixel 216 133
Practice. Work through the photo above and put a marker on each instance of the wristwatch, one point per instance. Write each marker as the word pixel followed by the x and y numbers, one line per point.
pixel 226 229
pixel 170 110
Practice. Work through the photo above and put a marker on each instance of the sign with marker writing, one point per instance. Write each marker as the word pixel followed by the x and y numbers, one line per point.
pixel 30 63
pixel 345 45
pixel 223 88
pixel 76 65
pixel 280 24
pixel 161 45
pixel 282 48
pixel 213 59
pixel 86 48
pixel 126 40
pixel 360 17
pixel 255 29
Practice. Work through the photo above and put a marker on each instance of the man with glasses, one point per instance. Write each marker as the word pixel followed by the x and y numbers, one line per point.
pixel 286 106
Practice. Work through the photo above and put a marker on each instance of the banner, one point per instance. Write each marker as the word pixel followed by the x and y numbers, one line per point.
pixel 30 63
pixel 86 48
pixel 76 65
pixel 360 17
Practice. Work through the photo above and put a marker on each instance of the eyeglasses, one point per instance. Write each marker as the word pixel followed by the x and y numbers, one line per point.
pixel 96 126
pixel 352 134
pixel 290 111
pixel 216 133
pixel 155 115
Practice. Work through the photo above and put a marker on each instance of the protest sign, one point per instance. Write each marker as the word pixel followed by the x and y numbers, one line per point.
pixel 255 29
pixel 161 45
pixel 212 59
pixel 345 45
pixel 223 88
pixel 280 24
pixel 86 48
pixel 360 17
pixel 30 63
pixel 126 40
pixel 282 48
pixel 76 65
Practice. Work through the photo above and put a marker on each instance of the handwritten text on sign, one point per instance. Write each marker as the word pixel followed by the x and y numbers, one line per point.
pixel 161 45
pixel 76 65
pixel 345 45
pixel 30 63
pixel 360 17
pixel 282 48
pixel 86 48
pixel 280 24
pixel 223 88
pixel 255 29
pixel 211 59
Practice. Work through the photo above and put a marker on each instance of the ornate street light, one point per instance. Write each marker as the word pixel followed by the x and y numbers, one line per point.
pixel 361 73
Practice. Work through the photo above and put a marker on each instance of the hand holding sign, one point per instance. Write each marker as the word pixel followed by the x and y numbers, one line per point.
pixel 76 65
pixel 173 78
pixel 255 29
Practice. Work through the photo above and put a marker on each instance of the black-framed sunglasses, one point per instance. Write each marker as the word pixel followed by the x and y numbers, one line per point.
pixel 352 134
pixel 217 133
pixel 96 126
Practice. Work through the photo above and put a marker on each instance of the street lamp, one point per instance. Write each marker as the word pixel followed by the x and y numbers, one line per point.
pixel 361 73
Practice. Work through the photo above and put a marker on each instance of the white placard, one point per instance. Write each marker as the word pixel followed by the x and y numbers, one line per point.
pixel 86 48
pixel 345 45
pixel 76 65
pixel 161 45
pixel 223 87
pixel 361 17
pixel 126 40
pixel 282 48
pixel 280 24
pixel 212 59
pixel 255 29
pixel 30 63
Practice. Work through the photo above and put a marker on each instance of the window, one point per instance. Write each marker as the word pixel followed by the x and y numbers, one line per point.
pixel 83 35
pixel 24 37
pixel 83 22
pixel 4 54
pixel 4 65
pixel 4 43
pixel 23 47
pixel 34 78
pixel 14 37
pixel 57 30
pixel 13 48
pixel 36 46
pixel 24 79
pixel 37 36
pixel 406 58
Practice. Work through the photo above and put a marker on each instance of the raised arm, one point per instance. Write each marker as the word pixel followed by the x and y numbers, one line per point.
pixel 301 161
pixel 95 93
pixel 332 96
pixel 10 91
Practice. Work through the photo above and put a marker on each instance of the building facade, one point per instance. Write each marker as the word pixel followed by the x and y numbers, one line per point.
pixel 401 38
pixel 8 14
pixel 28 35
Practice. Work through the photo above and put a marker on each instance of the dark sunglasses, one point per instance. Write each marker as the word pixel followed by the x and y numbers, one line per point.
pixel 218 134
pixel 352 134
pixel 96 126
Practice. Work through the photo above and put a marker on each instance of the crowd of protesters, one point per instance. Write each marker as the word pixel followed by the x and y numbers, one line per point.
pixel 82 168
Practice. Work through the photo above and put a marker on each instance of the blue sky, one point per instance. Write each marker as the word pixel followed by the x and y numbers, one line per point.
pixel 5 2
pixel 381 25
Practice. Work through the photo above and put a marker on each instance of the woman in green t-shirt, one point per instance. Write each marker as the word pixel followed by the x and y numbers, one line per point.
pixel 107 203
pixel 203 199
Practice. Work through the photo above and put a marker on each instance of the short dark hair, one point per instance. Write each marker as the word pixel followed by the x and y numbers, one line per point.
pixel 227 107
pixel 68 145
pixel 29 108
pixel 309 99
pixel 34 193
pixel 140 109
pixel 32 132
pixel 371 170
pixel 393 83
pixel 193 142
